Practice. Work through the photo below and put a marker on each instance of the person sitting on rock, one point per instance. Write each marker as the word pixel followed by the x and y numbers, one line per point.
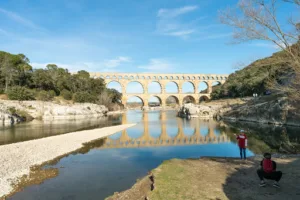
pixel 268 171
pixel 242 142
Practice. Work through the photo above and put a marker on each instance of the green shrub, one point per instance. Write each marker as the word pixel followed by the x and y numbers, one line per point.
pixel 84 97
pixel 66 94
pixel 46 95
pixel 20 93
pixel 20 113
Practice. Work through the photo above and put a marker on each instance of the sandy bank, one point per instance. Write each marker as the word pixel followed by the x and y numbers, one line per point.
pixel 215 178
pixel 16 159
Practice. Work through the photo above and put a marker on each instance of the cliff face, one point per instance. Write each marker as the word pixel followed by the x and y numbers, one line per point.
pixel 277 111
pixel 46 110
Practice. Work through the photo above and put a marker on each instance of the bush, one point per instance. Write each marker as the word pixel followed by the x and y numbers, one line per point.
pixel 66 94
pixel 84 97
pixel 46 95
pixel 20 93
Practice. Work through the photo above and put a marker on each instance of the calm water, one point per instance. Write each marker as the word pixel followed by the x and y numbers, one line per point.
pixel 128 155
pixel 38 129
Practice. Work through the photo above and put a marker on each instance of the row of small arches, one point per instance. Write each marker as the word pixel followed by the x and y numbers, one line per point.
pixel 165 77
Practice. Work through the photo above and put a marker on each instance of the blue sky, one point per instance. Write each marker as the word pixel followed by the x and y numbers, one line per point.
pixel 160 36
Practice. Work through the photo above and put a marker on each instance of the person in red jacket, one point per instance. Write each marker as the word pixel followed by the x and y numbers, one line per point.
pixel 268 171
pixel 242 142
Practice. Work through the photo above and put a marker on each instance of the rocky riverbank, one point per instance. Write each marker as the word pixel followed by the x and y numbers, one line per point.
pixel 17 160
pixel 215 178
pixel 266 109
pixel 16 111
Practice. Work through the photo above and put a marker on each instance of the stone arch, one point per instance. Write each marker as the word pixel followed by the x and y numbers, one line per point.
pixel 120 77
pixel 126 77
pixel 154 82
pixel 157 97
pixel 215 83
pixel 143 89
pixel 131 77
pixel 169 89
pixel 135 96
pixel 169 101
pixel 203 87
pixel 107 77
pixel 188 99
pixel 171 78
pixel 203 99
pixel 177 78
pixel 115 81
pixel 182 87
pixel 166 78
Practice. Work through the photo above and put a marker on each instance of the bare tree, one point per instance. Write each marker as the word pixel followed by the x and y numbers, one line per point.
pixel 258 20
pixel 104 98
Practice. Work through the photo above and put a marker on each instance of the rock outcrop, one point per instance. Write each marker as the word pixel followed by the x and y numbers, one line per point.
pixel 48 110
pixel 201 111
pixel 278 111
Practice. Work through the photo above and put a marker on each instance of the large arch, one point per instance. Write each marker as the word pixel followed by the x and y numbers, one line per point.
pixel 154 103
pixel 203 87
pixel 135 101
pixel 115 85
pixel 172 88
pixel 189 99
pixel 203 99
pixel 172 101
pixel 134 87
pixel 154 87
pixel 188 87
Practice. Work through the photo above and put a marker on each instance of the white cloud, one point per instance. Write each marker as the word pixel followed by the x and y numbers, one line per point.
pixel 157 65
pixel 116 62
pixel 169 23
pixel 21 20
pixel 170 13
pixel 105 66
pixel 3 32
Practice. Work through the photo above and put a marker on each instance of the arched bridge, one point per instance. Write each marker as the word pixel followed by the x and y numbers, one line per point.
pixel 181 139
pixel 163 79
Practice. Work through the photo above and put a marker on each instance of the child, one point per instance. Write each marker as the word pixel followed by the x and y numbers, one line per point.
pixel 242 142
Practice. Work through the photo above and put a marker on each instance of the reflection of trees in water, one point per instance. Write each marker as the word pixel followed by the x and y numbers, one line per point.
pixel 264 137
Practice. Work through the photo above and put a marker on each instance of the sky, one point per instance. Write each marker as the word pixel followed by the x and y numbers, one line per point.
pixel 157 36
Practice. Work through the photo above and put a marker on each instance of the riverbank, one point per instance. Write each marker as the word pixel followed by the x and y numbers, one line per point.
pixel 215 178
pixel 17 160
pixel 15 111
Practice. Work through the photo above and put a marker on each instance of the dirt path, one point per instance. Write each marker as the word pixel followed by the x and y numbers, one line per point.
pixel 217 179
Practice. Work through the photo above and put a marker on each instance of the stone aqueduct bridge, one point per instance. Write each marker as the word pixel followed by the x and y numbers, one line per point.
pixel 146 140
pixel 163 79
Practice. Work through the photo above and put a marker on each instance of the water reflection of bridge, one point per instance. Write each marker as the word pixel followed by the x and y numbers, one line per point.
pixel 146 140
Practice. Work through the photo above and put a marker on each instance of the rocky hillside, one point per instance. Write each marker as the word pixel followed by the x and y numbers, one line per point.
pixel 16 111
pixel 278 110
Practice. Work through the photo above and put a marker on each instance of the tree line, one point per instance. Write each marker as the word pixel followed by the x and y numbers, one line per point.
pixel 21 82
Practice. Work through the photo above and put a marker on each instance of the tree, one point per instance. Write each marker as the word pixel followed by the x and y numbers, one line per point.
pixel 258 20
pixel 8 70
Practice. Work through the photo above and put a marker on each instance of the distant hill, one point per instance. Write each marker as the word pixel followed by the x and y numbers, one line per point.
pixel 255 77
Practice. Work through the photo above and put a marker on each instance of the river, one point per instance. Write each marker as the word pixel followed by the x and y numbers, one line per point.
pixel 124 157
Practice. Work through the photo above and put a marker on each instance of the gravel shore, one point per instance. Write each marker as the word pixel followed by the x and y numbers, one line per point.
pixel 16 159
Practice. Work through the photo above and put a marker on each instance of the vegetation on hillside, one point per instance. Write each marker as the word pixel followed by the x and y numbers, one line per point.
pixel 259 77
pixel 21 82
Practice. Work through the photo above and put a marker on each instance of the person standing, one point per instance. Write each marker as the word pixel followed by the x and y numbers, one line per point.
pixel 242 143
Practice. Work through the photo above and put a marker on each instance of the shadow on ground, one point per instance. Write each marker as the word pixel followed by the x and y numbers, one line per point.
pixel 243 183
